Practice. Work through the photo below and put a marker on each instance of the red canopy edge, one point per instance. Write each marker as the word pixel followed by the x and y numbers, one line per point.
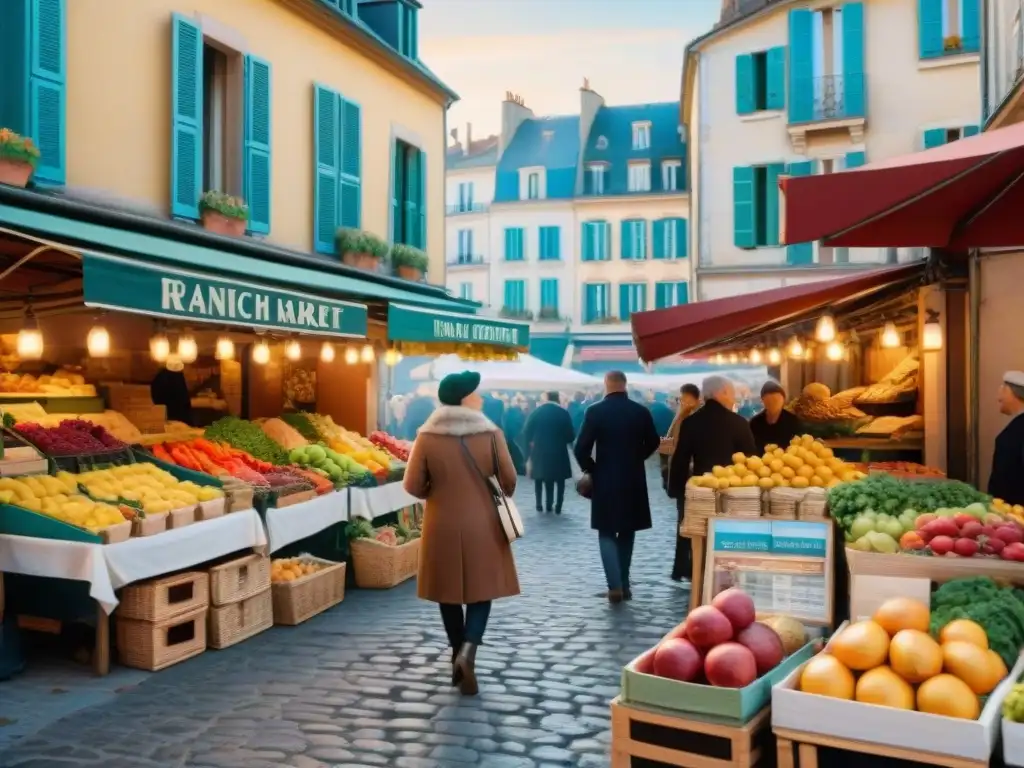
pixel 679 330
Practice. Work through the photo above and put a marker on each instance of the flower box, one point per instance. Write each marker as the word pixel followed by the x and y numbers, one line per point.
pixel 223 214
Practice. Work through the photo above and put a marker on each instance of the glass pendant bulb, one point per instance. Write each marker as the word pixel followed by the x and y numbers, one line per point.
pixel 774 356
pixel 159 348
pixel 261 352
pixel 225 349
pixel 293 350
pixel 890 336
pixel 327 352
pixel 795 349
pixel 367 355
pixel 98 342
pixel 30 338
pixel 755 356
pixel 351 355
pixel 188 350
pixel 826 329
pixel 834 351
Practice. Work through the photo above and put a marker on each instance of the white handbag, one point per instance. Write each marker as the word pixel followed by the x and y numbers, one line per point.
pixel 508 513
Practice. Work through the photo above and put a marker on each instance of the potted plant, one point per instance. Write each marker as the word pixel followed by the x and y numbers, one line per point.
pixel 18 158
pixel 223 213
pixel 512 313
pixel 952 43
pixel 408 262
pixel 373 253
pixel 548 313
pixel 351 245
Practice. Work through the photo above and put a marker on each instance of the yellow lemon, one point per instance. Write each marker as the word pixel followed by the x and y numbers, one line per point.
pixel 764 471
pixel 800 482
pixel 771 447
pixel 735 482
pixel 765 482
pixel 805 471
pixel 749 481
pixel 777 465
pixel 788 472
pixel 739 469
pixel 777 478
pixel 719 471
pixel 824 472
pixel 753 463
pixel 738 458
pixel 817 482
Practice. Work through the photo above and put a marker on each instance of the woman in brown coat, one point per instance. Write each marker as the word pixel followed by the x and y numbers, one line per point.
pixel 466 561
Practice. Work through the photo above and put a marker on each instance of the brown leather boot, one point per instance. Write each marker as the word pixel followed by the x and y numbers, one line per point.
pixel 465 664
pixel 615 596
pixel 456 671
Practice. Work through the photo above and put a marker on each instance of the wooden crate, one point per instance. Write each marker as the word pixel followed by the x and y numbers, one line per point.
pixel 239 579
pixel 645 736
pixel 155 645
pixel 233 623
pixel 165 597
pixel 299 600
pixel 804 747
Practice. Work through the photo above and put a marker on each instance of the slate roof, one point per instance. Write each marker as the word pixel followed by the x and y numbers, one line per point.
pixel 550 142
pixel 482 154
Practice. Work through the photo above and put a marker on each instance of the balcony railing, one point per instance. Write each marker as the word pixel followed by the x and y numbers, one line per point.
pixel 549 315
pixel 833 97
pixel 457 208
pixel 514 313
pixel 465 260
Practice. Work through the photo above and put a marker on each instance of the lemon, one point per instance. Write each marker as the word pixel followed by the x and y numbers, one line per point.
pixel 764 471
pixel 800 482
pixel 749 481
pixel 719 471
pixel 738 458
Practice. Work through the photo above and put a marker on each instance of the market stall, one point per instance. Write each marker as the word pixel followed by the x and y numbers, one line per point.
pixel 525 374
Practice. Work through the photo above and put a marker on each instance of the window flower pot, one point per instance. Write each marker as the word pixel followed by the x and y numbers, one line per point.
pixel 352 258
pixel 415 274
pixel 223 225
pixel 15 173
pixel 369 262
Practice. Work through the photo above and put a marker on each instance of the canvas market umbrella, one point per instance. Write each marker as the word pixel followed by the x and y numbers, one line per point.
pixel 528 373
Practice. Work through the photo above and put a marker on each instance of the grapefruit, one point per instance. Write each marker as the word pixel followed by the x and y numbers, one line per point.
pixel 899 613
pixel 948 696
pixel 885 688
pixel 971 664
pixel 825 675
pixel 914 656
pixel 861 646
pixel 966 630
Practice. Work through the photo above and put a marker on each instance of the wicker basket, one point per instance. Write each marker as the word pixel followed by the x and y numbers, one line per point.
pixel 741 502
pixel 156 645
pixel 296 601
pixel 166 597
pixel 701 504
pixel 239 579
pixel 381 566
pixel 814 505
pixel 783 502
pixel 227 625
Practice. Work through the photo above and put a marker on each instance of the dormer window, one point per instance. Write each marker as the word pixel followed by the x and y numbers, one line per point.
pixel 641 135
pixel 408 35
pixel 602 142
pixel 394 21
pixel 532 184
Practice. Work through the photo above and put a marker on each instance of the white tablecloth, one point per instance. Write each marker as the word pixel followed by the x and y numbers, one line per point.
pixel 374 502
pixel 290 524
pixel 108 568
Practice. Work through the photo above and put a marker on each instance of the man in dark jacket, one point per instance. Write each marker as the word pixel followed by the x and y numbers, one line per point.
pixel 707 438
pixel 548 434
pixel 774 425
pixel 624 435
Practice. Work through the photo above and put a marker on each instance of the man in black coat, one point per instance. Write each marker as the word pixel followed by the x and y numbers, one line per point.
pixel 708 438
pixel 1006 481
pixel 624 435
pixel 774 425
pixel 548 434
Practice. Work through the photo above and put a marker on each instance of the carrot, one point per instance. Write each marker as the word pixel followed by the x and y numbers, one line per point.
pixel 183 457
pixel 161 453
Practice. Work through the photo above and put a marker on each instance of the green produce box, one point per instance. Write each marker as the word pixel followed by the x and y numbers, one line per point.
pixel 26 522
pixel 738 705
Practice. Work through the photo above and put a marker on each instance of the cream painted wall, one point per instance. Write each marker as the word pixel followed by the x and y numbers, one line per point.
pixel 481 178
pixel 905 97
pixel 477 277
pixel 1003 35
pixel 118 109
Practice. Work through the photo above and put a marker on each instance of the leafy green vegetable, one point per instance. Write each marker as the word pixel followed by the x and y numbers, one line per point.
pixel 999 610
pixel 360 528
pixel 885 493
pixel 248 437
pixel 300 422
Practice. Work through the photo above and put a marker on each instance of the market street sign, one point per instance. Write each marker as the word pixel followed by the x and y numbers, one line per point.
pixel 117 283
pixel 426 326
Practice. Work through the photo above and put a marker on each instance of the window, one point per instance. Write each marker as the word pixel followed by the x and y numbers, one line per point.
pixel 465 246
pixel 634 239
pixel 671 175
pixel 671 294
pixel 533 186
pixel 596 302
pixel 595 178
pixel 670 238
pixel 640 177
pixel 948 27
pixel 756 205
pixel 514 244
pixel 761 81
pixel 515 296
pixel 936 137
pixel 465 197
pixel 641 135
pixel 549 297
pixel 549 249
pixel 826 63
pixel 466 291
pixel 219 130
pixel 408 31
pixel 408 200
pixel 632 298
pixel 596 241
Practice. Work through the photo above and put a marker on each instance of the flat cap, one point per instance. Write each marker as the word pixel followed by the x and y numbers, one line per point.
pixel 456 386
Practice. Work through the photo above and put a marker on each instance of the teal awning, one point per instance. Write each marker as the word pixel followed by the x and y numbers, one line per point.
pixel 83 235
pixel 430 327
pixel 132 285
pixel 550 349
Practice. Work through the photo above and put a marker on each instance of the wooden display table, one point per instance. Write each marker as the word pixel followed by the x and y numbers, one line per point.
pixel 806 749
pixel 661 737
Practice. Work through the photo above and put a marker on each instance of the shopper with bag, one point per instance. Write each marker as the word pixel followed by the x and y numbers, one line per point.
pixel 460 464
pixel 549 434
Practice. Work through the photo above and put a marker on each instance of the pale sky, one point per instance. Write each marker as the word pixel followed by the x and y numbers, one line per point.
pixel 631 51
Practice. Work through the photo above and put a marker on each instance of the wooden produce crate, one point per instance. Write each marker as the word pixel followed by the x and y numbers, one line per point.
pixel 155 645
pixel 235 622
pixel 644 736
pixel 148 419
pixel 114 534
pixel 381 566
pixel 179 518
pixel 210 509
pixel 150 525
pixel 239 579
pixel 165 597
pixel 299 600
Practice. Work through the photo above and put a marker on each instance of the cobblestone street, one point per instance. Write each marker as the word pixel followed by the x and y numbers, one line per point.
pixel 366 684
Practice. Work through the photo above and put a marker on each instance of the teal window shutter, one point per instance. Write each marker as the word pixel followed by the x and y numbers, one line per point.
pixel 624 302
pixel 325 186
pixel 604 241
pixel 626 246
pixel 508 294
pixel 421 202
pixel 640 298
pixel 798 253
pixel 640 233
pixel 187 118
pixel 970 35
pixel 743 206
pixel 855 160
pixel 934 137
pixel 683 293
pixel 971 130
pixel 47 88
pixel 929 28
pixel 256 161
pixel 350 192
pixel 414 185
pixel 549 293
pixel 801 66
pixel 682 243
pixel 556 242
pixel 746 100
pixel 663 295
pixel 660 226
pixel 397 185
pixel 775 60
pixel 771 201
pixel 854 102
pixel 587 241
pixel 589 302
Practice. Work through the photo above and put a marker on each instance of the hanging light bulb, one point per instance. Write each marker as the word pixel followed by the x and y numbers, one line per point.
pixel 834 351
pixel 719 359
pixel 293 350
pixel 30 338
pixel 931 340
pixel 188 350
pixel 261 352
pixel 774 356
pixel 159 348
pixel 351 355
pixel 755 356
pixel 733 358
pixel 98 342
pixel 890 336
pixel 225 349
pixel 392 356
pixel 367 355
pixel 327 352
pixel 795 349
pixel 826 329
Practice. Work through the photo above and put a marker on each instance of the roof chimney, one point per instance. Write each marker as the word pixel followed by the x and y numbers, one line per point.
pixel 469 138
pixel 454 133
pixel 513 112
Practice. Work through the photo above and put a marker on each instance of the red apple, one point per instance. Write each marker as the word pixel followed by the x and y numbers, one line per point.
pixel 678 659
pixel 730 665
pixel 707 627
pixel 737 606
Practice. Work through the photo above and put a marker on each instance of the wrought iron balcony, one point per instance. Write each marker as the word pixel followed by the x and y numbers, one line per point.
pixel 515 313
pixel 832 97
pixel 457 208
pixel 466 260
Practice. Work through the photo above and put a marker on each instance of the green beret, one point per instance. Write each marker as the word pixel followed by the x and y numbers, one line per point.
pixel 456 386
